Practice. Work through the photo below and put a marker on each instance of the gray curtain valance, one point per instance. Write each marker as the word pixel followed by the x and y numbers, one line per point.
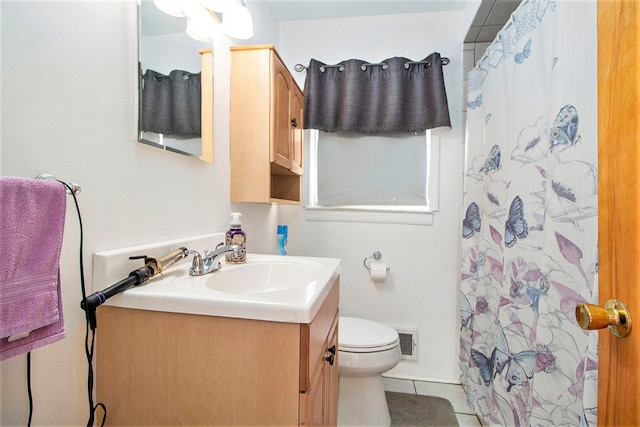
pixel 395 95
pixel 171 104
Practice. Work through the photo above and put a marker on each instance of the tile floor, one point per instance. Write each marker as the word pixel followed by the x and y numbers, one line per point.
pixel 452 392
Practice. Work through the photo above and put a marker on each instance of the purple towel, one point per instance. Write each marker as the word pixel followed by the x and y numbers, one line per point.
pixel 31 228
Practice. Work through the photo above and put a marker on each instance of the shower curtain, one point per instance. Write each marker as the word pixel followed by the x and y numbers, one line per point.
pixel 529 230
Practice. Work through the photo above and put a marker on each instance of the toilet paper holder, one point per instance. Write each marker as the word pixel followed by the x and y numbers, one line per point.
pixel 376 256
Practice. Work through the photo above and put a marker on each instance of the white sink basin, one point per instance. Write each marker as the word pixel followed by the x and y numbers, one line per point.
pixel 267 287
pixel 263 276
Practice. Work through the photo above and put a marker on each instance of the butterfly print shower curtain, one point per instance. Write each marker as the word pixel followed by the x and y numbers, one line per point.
pixel 529 228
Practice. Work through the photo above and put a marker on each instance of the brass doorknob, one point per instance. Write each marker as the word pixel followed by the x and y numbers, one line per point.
pixel 615 316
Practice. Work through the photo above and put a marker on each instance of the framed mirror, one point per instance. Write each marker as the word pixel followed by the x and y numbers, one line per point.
pixel 175 85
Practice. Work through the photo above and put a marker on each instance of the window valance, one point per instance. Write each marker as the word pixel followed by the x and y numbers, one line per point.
pixel 396 94
pixel 171 104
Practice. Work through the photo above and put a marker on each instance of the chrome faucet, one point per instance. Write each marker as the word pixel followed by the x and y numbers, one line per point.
pixel 211 261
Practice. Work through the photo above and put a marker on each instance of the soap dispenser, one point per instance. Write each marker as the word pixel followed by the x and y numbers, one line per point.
pixel 235 236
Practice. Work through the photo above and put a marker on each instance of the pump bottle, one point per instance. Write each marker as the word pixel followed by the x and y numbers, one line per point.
pixel 235 236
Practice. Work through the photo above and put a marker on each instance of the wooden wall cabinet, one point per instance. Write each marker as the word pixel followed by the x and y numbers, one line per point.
pixel 160 368
pixel 266 127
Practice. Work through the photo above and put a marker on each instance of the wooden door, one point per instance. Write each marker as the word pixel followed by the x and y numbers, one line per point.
pixel 619 205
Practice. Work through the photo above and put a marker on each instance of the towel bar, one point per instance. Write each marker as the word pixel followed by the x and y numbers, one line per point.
pixel 72 185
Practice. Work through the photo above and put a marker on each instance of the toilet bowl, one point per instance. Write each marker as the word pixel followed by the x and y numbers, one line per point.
pixel 366 350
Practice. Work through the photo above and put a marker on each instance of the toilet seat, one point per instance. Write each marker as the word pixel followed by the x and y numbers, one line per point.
pixel 364 336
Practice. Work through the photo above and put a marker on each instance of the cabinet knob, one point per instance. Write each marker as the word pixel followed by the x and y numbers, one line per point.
pixel 332 354
pixel 294 122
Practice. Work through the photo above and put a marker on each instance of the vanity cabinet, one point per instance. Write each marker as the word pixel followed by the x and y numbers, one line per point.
pixel 162 368
pixel 266 127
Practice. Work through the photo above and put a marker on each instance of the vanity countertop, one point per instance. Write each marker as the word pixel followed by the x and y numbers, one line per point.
pixel 267 287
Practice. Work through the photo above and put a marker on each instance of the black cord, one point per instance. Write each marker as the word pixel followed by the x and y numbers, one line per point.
pixel 29 388
pixel 89 347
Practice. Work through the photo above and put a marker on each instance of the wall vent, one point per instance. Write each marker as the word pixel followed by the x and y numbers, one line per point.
pixel 408 343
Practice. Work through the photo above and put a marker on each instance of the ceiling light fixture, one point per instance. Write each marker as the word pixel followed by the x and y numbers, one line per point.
pixel 219 6
pixel 237 21
pixel 170 7
pixel 202 17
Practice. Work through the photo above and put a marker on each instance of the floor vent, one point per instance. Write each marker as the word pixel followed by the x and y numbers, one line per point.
pixel 408 343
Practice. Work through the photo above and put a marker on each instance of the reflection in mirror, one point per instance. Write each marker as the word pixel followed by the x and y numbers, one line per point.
pixel 175 90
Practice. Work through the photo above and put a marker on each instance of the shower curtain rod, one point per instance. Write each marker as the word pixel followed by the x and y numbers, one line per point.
pixel 299 67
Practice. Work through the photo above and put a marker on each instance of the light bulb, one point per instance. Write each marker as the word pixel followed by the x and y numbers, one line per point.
pixel 200 23
pixel 237 22
pixel 170 7
pixel 220 6
pixel 195 32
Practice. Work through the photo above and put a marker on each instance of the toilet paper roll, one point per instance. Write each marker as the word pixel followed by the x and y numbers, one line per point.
pixel 378 272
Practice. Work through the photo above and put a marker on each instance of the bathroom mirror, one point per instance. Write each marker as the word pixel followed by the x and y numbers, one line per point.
pixel 175 85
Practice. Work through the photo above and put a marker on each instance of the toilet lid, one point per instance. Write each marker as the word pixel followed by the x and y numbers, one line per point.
pixel 361 335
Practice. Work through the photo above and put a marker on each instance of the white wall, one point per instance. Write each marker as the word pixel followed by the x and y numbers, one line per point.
pixel 422 286
pixel 68 81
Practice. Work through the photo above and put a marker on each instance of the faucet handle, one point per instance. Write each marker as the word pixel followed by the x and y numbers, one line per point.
pixel 197 266
pixel 237 250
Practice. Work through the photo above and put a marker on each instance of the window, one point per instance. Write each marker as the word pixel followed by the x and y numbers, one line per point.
pixel 364 178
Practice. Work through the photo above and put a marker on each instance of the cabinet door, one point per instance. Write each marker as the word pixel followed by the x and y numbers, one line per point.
pixel 296 106
pixel 280 116
pixel 314 413
pixel 320 402
pixel 331 380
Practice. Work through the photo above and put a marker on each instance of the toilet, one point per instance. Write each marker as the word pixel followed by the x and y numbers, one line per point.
pixel 366 350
